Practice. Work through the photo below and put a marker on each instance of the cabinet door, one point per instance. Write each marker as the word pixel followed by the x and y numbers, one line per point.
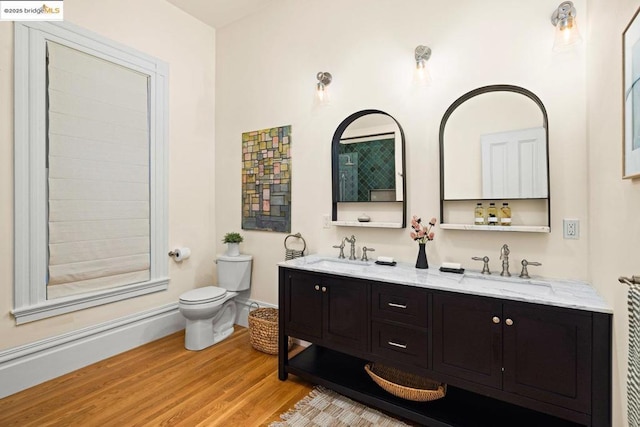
pixel 303 305
pixel 345 314
pixel 547 354
pixel 467 340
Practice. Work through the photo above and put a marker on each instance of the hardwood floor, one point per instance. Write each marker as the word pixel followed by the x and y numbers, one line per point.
pixel 162 384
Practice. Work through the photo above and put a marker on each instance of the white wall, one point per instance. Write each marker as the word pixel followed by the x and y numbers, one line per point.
pixel 157 28
pixel 266 67
pixel 614 203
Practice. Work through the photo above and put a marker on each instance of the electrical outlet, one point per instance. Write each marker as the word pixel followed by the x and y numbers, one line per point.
pixel 571 228
pixel 326 221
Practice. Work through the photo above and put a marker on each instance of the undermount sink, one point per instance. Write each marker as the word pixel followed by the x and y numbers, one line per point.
pixel 509 285
pixel 340 265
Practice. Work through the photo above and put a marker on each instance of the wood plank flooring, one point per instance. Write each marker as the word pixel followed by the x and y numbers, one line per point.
pixel 162 384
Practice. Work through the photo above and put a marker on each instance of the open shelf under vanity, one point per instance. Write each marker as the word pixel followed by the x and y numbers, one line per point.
pixel 346 375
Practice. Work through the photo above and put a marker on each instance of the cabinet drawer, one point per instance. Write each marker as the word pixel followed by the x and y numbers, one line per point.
pixel 400 343
pixel 405 304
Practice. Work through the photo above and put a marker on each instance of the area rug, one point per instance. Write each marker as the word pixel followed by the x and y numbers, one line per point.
pixel 326 408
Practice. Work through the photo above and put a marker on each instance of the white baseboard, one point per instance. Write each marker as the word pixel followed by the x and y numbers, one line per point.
pixel 34 363
pixel 25 366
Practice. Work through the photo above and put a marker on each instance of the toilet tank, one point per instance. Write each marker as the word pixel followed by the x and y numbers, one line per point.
pixel 234 272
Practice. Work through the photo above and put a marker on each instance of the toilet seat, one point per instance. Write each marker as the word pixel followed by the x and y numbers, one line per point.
pixel 206 294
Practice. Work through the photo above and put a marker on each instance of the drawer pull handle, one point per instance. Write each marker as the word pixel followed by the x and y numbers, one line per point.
pixel 395 344
pixel 317 287
pixel 496 319
pixel 509 322
pixel 324 289
pixel 392 304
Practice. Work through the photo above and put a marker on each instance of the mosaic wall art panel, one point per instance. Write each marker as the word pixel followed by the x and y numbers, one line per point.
pixel 266 180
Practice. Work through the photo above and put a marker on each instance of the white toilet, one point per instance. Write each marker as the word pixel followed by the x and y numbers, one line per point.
pixel 210 311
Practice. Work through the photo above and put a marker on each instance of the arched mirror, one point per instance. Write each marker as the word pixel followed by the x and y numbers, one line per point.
pixel 494 147
pixel 368 168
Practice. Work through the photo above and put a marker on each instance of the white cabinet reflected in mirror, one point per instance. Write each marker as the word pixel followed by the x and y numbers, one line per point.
pixel 368 170
pixel 494 147
pixel 514 164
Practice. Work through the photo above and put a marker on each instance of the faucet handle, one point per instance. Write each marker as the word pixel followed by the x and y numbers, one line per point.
pixel 341 247
pixel 364 253
pixel 525 273
pixel 485 267
pixel 504 252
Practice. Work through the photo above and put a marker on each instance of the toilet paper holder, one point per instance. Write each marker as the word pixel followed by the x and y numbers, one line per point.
pixel 180 254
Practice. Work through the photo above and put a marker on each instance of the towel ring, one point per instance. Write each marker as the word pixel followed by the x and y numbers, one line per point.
pixel 294 253
pixel 633 280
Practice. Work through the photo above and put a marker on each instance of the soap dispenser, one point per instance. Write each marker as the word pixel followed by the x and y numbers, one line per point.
pixel 505 214
pixel 479 214
pixel 492 214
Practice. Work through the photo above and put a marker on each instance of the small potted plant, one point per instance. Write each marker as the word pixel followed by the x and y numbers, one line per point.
pixel 232 239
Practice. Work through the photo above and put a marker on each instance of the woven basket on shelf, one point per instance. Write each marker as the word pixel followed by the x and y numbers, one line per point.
pixel 405 385
pixel 263 330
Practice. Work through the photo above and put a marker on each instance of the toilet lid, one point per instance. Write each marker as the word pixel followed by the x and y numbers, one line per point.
pixel 202 295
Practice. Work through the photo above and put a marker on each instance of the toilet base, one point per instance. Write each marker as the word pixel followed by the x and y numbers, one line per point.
pixel 203 333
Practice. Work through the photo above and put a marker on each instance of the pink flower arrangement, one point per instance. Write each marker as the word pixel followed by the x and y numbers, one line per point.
pixel 422 233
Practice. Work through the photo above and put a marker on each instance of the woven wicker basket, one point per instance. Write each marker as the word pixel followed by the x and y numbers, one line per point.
pixel 263 330
pixel 405 385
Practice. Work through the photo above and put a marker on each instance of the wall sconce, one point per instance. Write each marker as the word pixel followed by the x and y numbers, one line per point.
pixel 322 92
pixel 567 34
pixel 422 55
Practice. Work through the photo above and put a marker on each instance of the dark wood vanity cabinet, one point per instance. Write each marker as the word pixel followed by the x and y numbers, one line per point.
pixel 537 352
pixel 527 364
pixel 326 310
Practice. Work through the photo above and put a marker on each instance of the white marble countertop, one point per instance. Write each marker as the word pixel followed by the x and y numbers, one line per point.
pixel 560 293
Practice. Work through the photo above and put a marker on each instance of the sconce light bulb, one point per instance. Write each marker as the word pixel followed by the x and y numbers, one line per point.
pixel 421 71
pixel 320 92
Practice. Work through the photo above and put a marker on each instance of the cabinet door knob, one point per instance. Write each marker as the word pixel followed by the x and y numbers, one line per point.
pixel 317 287
pixel 509 322
pixel 496 319
pixel 324 289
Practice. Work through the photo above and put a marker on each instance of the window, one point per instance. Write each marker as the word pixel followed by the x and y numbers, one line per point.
pixel 90 171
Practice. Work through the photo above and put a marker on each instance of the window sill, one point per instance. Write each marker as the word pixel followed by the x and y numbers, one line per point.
pixel 60 306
